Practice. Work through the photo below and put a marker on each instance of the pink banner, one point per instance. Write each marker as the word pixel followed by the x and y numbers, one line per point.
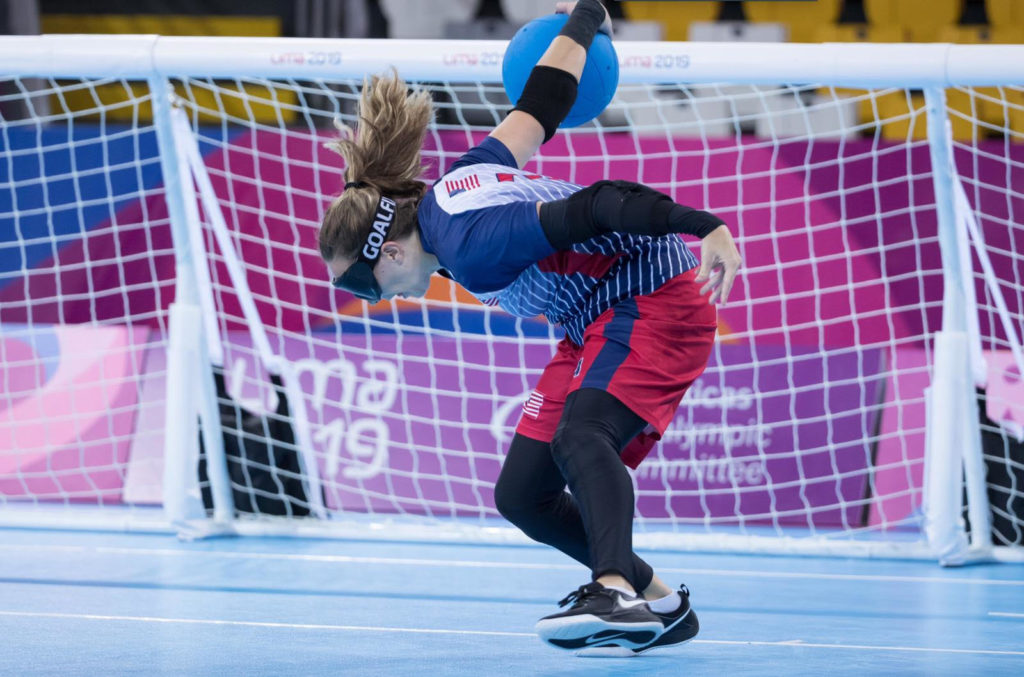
pixel 899 468
pixel 415 424
pixel 1005 392
pixel 770 435
pixel 68 409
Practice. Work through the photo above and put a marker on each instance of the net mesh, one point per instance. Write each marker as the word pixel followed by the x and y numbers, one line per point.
pixel 810 417
pixel 809 421
pixel 86 272
pixel 992 177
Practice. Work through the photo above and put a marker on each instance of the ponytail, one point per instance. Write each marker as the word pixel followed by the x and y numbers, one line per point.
pixel 382 158
pixel 392 125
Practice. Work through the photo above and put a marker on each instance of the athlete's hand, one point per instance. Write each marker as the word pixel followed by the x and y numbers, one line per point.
pixel 719 263
pixel 567 7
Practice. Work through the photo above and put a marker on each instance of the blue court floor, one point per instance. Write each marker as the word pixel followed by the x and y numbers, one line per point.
pixel 87 603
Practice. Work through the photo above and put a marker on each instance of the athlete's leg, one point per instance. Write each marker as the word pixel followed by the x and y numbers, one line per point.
pixel 530 494
pixel 594 428
pixel 634 365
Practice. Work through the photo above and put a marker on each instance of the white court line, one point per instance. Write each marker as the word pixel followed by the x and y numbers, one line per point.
pixel 1007 614
pixel 470 564
pixel 436 631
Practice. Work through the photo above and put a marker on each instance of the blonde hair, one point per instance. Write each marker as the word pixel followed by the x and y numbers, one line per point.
pixel 384 158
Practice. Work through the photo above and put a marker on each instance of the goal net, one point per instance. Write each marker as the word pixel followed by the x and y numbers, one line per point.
pixel 159 267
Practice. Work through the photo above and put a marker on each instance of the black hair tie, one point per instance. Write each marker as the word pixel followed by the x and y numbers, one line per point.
pixel 355 184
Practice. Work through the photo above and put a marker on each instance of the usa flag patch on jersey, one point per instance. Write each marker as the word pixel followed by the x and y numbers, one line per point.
pixel 533 404
pixel 456 186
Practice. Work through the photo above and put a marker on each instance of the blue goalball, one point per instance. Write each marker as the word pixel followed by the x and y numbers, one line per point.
pixel 600 74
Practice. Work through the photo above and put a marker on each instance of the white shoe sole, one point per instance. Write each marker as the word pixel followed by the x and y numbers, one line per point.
pixel 620 652
pixel 623 652
pixel 606 652
pixel 643 652
pixel 586 631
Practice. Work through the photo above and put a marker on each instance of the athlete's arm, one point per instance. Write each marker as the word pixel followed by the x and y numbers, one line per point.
pixel 627 207
pixel 619 207
pixel 550 90
pixel 522 134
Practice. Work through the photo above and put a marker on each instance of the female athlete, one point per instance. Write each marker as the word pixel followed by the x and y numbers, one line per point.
pixel 605 262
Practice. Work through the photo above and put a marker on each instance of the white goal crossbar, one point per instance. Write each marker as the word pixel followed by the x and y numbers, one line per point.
pixel 839 64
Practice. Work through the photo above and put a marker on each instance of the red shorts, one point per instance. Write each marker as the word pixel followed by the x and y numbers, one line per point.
pixel 646 351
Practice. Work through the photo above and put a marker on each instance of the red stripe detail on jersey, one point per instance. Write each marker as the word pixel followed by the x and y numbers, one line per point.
pixel 453 188
pixel 567 263
pixel 506 177
pixel 456 186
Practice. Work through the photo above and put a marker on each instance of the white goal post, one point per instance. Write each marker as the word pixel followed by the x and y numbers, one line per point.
pixel 159 202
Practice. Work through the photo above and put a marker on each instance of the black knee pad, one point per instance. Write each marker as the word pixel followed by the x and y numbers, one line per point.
pixel 578 444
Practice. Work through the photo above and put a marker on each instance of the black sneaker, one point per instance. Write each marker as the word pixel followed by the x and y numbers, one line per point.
pixel 601 617
pixel 680 626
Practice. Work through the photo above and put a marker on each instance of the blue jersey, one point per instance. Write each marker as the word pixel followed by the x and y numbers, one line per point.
pixel 480 220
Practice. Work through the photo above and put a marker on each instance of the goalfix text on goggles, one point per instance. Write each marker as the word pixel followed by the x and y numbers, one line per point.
pixel 359 280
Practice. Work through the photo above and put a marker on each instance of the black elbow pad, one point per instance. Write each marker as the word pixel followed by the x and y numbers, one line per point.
pixel 548 96
pixel 620 207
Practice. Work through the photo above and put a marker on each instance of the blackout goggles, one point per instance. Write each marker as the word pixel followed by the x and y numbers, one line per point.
pixel 359 280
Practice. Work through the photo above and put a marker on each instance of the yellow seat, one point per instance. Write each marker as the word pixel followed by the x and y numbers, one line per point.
pixel 1005 13
pixel 994 104
pixel 859 33
pixel 676 17
pixel 881 12
pixel 892 111
pixel 900 114
pixel 920 19
pixel 988 101
pixel 998 108
pixel 967 112
pixel 802 18
pixel 982 35
pixel 973 113
pixel 866 107
pixel 1015 112
pixel 163 24
pixel 127 102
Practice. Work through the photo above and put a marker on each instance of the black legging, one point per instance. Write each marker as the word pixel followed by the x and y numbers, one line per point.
pixel 593 525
